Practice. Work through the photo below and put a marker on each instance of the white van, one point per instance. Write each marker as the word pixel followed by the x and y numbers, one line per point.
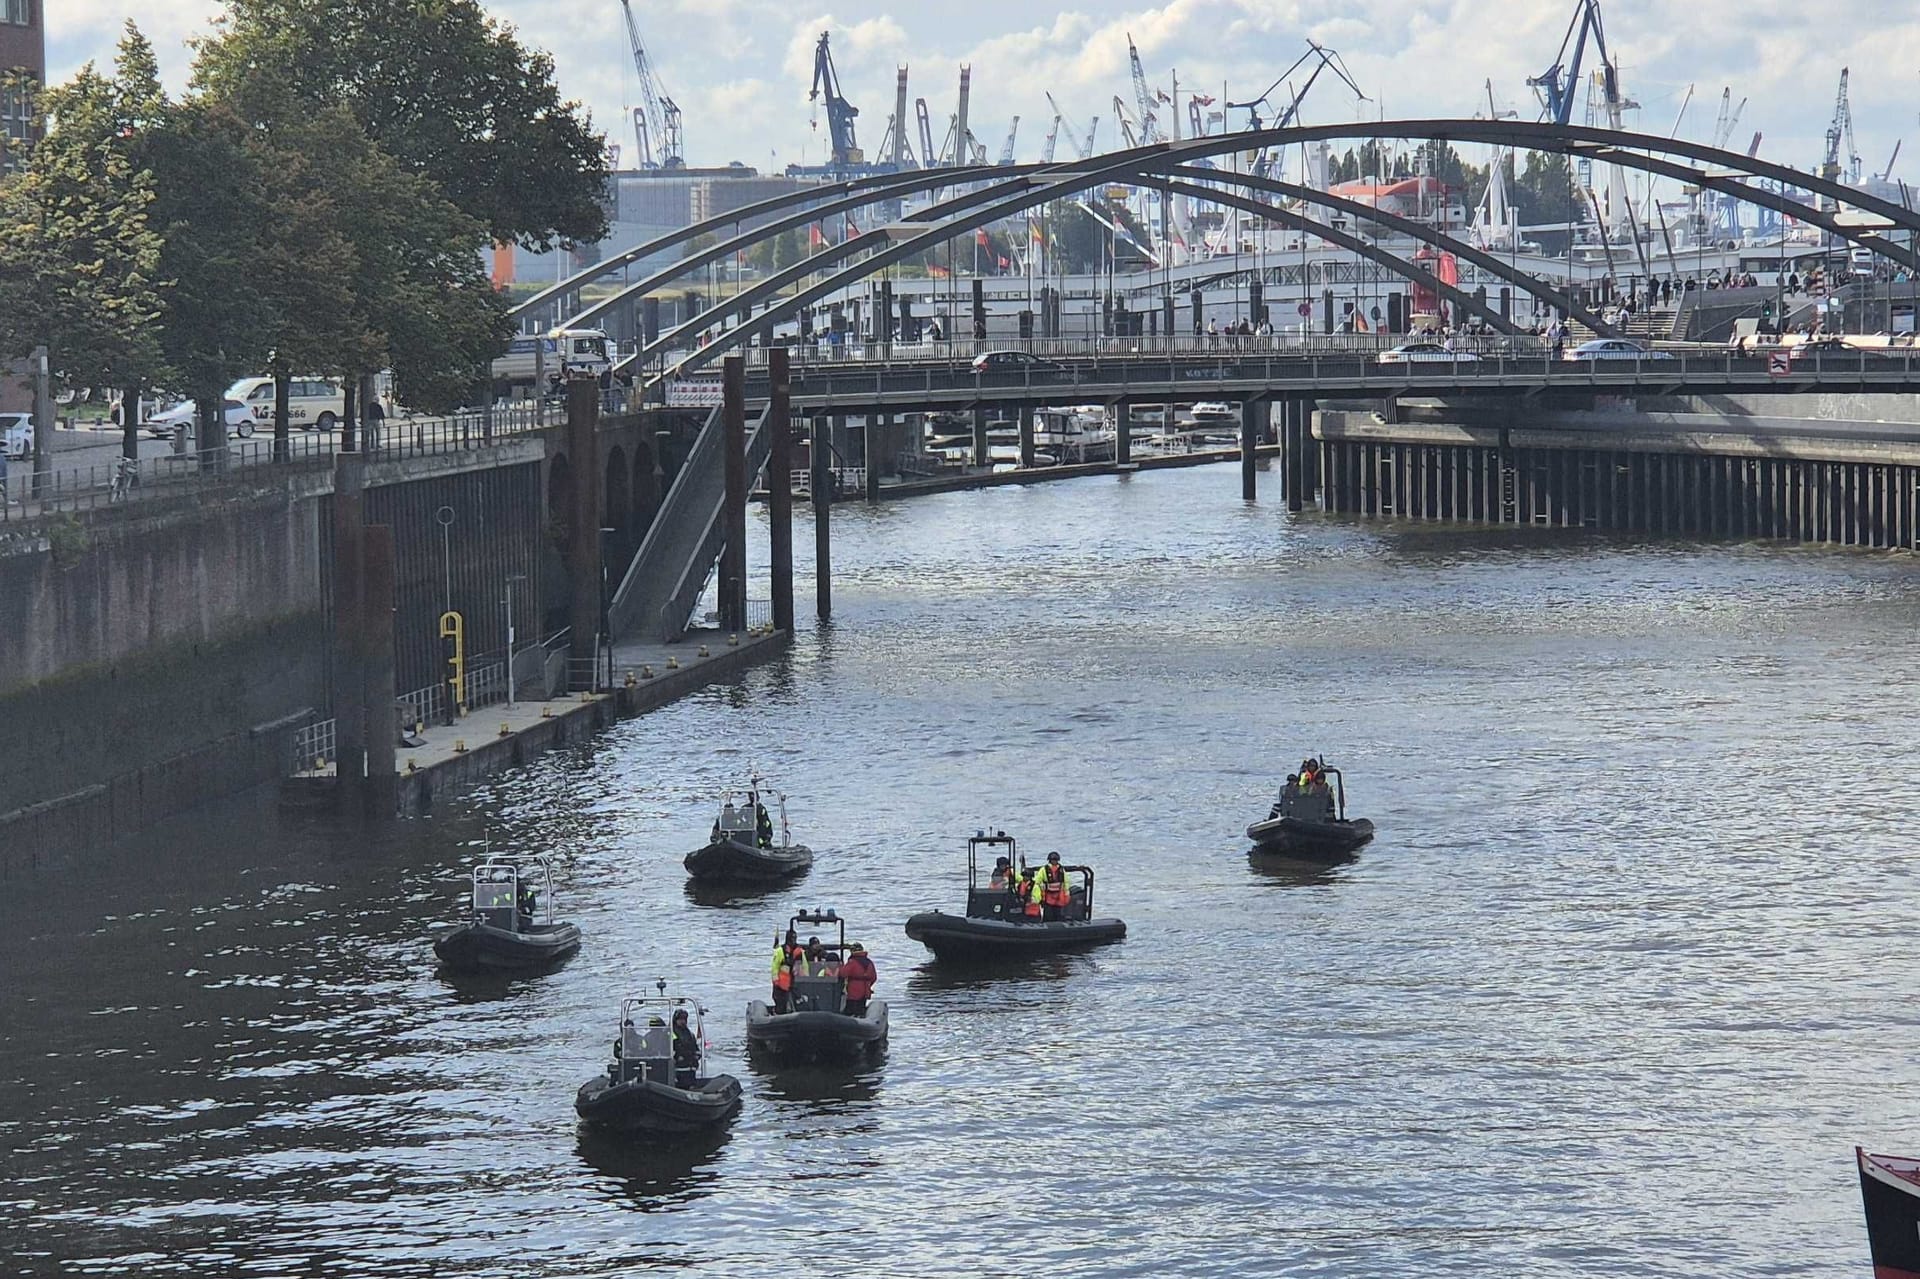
pixel 311 401
pixel 559 353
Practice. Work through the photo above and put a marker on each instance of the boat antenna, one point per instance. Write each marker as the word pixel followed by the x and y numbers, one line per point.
pixel 660 984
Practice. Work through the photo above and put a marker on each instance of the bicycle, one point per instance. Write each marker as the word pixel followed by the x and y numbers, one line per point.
pixel 125 476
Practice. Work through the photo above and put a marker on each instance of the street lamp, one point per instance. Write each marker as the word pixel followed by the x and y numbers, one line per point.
pixel 445 515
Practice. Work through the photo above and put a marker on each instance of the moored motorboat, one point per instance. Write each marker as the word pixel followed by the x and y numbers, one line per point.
pixel 1309 819
pixel 1014 910
pixel 1890 1192
pixel 505 933
pixel 825 1006
pixel 659 1081
pixel 746 844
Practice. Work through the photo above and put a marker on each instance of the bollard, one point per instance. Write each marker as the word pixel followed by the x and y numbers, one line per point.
pixel 459 745
pixel 505 731
pixel 703 651
pixel 412 768
pixel 646 672
pixel 673 663
pixel 733 641
pixel 546 712
pixel 631 681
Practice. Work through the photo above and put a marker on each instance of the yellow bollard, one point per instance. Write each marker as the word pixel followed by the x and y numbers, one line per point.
pixel 631 681
pixel 703 651
pixel 646 672
pixel 585 696
pixel 546 712
pixel 733 641
pixel 459 745
pixel 505 731
pixel 673 663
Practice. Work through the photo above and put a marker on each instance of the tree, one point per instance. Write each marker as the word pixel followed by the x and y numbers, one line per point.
pixel 438 85
pixel 80 259
pixel 1544 194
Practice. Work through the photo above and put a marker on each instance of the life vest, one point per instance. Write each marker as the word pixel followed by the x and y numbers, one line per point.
pixel 859 974
pixel 783 980
pixel 1033 888
pixel 1055 891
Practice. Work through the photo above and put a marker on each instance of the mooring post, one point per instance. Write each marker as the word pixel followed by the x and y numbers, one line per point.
pixel 1026 437
pixel 1293 468
pixel 1123 426
pixel 780 487
pixel 982 455
pixel 1250 411
pixel 379 599
pixel 733 553
pixel 350 646
pixel 874 449
pixel 820 485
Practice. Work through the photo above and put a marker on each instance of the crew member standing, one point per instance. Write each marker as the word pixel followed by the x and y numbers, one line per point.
pixel 686 1051
pixel 1053 887
pixel 782 986
pixel 858 973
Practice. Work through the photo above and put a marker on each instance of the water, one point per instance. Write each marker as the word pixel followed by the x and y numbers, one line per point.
pixel 1626 974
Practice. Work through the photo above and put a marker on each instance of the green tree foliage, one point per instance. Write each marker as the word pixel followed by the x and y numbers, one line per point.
pixel 438 85
pixel 80 258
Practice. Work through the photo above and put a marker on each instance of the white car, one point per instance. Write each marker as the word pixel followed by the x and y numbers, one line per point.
pixel 16 434
pixel 311 401
pixel 162 425
pixel 1423 353
pixel 1614 349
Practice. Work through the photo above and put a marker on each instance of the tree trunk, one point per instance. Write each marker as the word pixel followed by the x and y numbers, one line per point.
pixel 210 406
pixel 282 420
pixel 349 418
pixel 130 422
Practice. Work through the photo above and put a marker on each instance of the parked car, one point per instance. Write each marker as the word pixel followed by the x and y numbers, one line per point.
pixel 1009 362
pixel 311 401
pixel 16 433
pixel 1423 353
pixel 162 425
pixel 1615 349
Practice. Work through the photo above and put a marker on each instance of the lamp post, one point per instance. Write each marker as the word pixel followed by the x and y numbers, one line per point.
pixel 445 515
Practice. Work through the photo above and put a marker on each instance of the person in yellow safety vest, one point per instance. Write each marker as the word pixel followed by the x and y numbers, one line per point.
pixel 782 987
pixel 1054 894
pixel 785 951
pixel 1034 887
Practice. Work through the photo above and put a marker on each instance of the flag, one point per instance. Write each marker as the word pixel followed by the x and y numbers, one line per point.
pixel 1360 323
pixel 1004 264
pixel 853 228
pixel 1160 95
pixel 1202 101
pixel 1039 236
pixel 814 238
pixel 939 273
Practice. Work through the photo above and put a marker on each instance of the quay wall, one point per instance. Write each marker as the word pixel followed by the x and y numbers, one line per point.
pixel 1714 482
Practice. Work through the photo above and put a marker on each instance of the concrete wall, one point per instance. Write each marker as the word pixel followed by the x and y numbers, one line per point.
pixel 150 664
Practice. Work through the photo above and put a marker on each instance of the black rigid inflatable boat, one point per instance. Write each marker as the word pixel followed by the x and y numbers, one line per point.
pixel 820 1019
pixel 1309 819
pixel 1009 915
pixel 746 845
pixel 503 934
pixel 1890 1191
pixel 658 1082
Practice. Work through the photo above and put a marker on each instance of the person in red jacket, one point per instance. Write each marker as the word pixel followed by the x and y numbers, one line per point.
pixel 857 971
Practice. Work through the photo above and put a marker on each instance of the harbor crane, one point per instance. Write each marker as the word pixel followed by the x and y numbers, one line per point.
pixel 840 112
pixel 1556 84
pixel 894 145
pixel 927 154
pixel 1841 130
pixel 1323 59
pixel 1149 123
pixel 1053 133
pixel 656 121
pixel 1006 151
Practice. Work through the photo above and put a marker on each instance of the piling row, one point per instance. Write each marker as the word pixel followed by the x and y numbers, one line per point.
pixel 1686 494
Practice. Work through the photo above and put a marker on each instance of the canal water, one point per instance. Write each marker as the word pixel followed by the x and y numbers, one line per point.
pixel 1625 976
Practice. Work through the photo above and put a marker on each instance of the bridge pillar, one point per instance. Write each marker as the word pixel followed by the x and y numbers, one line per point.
pixel 780 487
pixel 1123 425
pixel 874 450
pixel 982 456
pixel 349 640
pixel 820 487
pixel 733 553
pixel 380 599
pixel 1026 437
pixel 584 557
pixel 1251 413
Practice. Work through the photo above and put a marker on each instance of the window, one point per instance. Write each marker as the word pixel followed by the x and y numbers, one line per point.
pixel 18 13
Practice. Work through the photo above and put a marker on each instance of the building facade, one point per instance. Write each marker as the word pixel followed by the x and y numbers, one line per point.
pixel 23 52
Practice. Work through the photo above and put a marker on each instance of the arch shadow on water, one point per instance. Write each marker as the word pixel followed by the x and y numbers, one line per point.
pixel 1290 870
pixel 655 1171
pixel 490 987
pixel 729 893
pixel 823 1085
pixel 933 977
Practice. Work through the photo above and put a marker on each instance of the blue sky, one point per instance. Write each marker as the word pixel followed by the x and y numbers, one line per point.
pixel 741 68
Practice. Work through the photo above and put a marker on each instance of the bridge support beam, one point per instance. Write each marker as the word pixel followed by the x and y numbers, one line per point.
pixel 585 556
pixel 982 455
pixel 1253 413
pixel 820 485
pixel 349 639
pixel 780 487
pixel 733 553
pixel 1123 427
pixel 874 450
pixel 1026 437
pixel 378 605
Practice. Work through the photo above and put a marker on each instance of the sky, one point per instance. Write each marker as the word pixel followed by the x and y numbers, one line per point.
pixel 741 69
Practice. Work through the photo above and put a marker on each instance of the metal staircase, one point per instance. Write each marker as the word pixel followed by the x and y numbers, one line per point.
pixel 663 584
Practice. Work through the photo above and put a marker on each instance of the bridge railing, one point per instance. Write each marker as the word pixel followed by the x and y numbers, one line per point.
pixel 1181 344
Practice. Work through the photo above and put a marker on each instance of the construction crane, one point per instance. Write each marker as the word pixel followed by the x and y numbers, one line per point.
pixel 656 121
pixel 840 112
pixel 927 154
pixel 1841 130
pixel 1006 151
pixel 1323 59
pixel 1149 123
pixel 1123 118
pixel 1086 148
pixel 1053 133
pixel 1556 84
pixel 1729 118
pixel 1887 174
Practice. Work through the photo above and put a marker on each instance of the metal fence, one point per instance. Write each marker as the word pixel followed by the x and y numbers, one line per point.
pixel 311 748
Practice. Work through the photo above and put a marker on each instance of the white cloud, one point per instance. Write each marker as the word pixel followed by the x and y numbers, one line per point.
pixel 740 69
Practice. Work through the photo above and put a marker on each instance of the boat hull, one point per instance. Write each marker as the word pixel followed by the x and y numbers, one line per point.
pixel 643 1106
pixel 1292 837
pixel 1891 1196
pixel 963 937
pixel 817 1034
pixel 728 861
pixel 478 947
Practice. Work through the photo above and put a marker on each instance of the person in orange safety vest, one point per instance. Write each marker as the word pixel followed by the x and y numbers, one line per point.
pixel 1053 887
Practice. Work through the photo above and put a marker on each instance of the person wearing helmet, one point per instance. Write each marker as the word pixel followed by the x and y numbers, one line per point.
pixel 1054 894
